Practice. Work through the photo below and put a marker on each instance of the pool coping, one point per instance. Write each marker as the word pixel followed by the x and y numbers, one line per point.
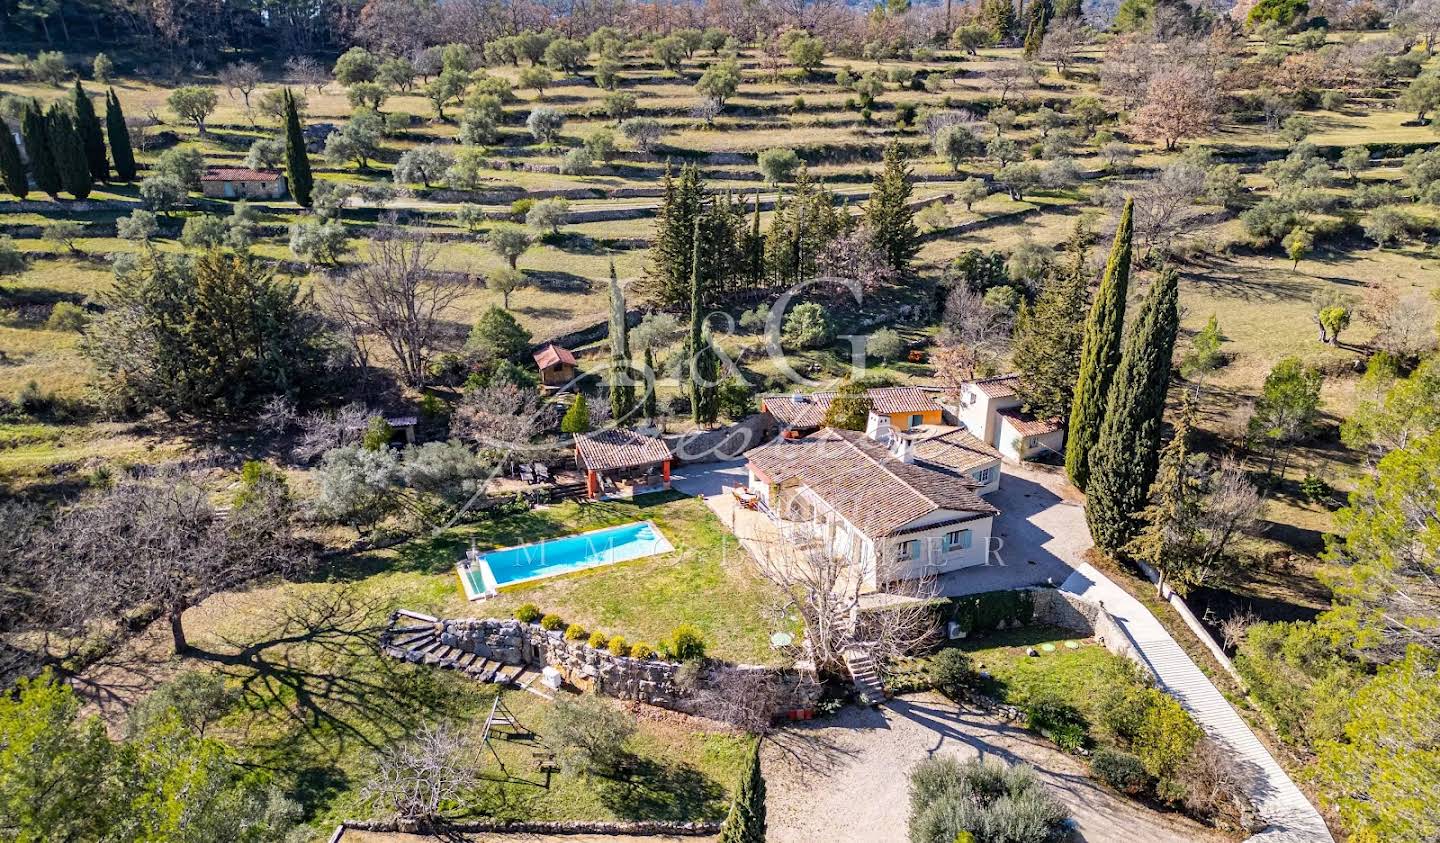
pixel 493 587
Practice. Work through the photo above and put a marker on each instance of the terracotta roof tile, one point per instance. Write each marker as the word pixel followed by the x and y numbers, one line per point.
pixel 605 450
pixel 1003 386
pixel 552 354
pixel 901 399
pixel 954 448
pixel 1027 425
pixel 238 174
pixel 807 410
pixel 864 482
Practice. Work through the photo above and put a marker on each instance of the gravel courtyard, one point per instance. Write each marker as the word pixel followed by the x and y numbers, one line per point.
pixel 846 779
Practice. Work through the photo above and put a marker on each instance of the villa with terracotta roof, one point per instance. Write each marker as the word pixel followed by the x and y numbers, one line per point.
pixel 990 409
pixel 556 365
pixel 897 407
pixel 895 517
pixel 242 183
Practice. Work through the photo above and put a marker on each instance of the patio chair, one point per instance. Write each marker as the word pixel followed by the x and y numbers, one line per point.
pixel 527 475
pixel 542 473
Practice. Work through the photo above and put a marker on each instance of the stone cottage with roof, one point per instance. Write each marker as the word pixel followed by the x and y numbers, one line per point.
pixel 894 517
pixel 990 409
pixel 242 183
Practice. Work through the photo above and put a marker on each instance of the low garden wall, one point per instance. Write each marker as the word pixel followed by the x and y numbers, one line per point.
pixel 642 828
pixel 650 681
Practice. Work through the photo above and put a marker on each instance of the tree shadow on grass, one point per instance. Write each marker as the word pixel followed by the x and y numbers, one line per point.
pixel 314 687
pixel 660 790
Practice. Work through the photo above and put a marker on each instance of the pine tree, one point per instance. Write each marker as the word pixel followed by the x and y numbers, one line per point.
pixel 297 162
pixel 120 151
pixel 745 823
pixel 1123 464
pixel 1099 354
pixel 850 408
pixel 12 167
pixel 1165 542
pixel 650 404
pixel 69 151
pixel 998 16
pixel 890 220
pixel 622 384
pixel 577 418
pixel 87 125
pixel 37 147
pixel 1048 339
pixel 675 231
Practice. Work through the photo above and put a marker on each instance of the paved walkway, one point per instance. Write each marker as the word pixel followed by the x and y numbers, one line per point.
pixel 1279 803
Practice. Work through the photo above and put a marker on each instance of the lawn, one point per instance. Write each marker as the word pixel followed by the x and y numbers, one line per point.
pixel 708 581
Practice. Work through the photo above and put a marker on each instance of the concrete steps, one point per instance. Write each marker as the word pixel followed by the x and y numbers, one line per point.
pixel 865 674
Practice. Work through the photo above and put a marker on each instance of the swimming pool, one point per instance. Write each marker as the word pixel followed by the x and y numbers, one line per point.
pixel 489 572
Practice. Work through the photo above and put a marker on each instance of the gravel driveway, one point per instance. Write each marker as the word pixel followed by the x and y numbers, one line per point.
pixel 846 778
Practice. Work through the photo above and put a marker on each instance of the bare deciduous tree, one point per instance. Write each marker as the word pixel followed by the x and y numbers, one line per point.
pixel 1165 203
pixel 418 777
pixel 1126 69
pixel 1179 103
pixel 973 334
pixel 306 72
pixel 242 76
pixel 1006 78
pixel 397 297
pixel 1232 506
pixel 502 419
pixel 321 430
pixel 1063 40
pixel 1405 322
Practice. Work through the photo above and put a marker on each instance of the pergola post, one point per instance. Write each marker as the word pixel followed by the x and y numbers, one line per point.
pixel 665 470
pixel 592 484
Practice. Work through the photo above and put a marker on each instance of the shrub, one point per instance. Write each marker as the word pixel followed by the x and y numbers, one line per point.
pixel 598 640
pixel 807 327
pixel 574 632
pixel 618 646
pixel 951 800
pixel 641 650
pixel 577 162
pixel 528 613
pixel 551 623
pixel 67 316
pixel 686 643
pixel 1156 729
pixel 589 734
pixel 1119 769
pixel 1056 720
pixel 520 208
pixel 992 609
pixel 950 669
pixel 1314 488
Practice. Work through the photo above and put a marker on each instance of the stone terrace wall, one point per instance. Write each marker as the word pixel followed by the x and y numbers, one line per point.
pixel 645 680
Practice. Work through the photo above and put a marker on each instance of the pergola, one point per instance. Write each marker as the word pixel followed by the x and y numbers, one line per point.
pixel 622 463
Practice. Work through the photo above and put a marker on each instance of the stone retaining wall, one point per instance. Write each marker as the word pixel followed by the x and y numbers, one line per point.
pixel 643 828
pixel 649 681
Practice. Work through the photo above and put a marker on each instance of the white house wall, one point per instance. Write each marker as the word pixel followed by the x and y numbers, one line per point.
pixel 932 558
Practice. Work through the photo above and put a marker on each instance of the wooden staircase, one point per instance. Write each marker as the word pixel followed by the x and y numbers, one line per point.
pixel 415 638
pixel 865 674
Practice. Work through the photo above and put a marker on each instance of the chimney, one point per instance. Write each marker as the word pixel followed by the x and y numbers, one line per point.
pixel 904 449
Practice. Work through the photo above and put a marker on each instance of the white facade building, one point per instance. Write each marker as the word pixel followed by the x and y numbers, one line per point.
pixel 990 408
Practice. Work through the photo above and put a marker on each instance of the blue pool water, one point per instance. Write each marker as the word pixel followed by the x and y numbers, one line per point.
pixel 571 553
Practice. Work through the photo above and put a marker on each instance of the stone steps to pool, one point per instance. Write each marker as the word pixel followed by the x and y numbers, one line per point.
pixel 421 644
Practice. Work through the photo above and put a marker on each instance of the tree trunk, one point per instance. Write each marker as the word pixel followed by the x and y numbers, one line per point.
pixel 177 630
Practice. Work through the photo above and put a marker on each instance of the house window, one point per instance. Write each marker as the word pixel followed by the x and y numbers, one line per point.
pixel 983 475
pixel 907 549
pixel 916 420
pixel 957 540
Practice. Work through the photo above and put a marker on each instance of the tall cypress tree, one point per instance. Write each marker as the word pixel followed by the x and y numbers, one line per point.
pixel 69 152
pixel 745 823
pixel 12 167
pixel 890 220
pixel 1048 339
pixel 120 151
pixel 297 162
pixel 698 338
pixel 622 384
pixel 757 247
pixel 1100 354
pixel 1124 461
pixel 1039 20
pixel 37 147
pixel 650 404
pixel 87 125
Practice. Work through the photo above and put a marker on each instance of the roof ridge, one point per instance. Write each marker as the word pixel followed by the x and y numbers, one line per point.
pixel 885 468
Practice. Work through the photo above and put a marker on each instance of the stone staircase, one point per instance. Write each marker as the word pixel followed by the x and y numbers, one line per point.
pixel 415 638
pixel 865 674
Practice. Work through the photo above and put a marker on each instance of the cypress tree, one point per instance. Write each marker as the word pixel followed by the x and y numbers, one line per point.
pixel 37 146
pixel 650 405
pixel 69 152
pixel 1048 339
pixel 890 220
pixel 1099 354
pixel 622 385
pixel 297 162
pixel 87 125
pixel 703 372
pixel 1039 20
pixel 120 151
pixel 1165 540
pixel 12 168
pixel 757 247
pixel 745 823
pixel 1124 461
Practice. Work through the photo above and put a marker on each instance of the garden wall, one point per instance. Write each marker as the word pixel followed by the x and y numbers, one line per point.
pixel 644 680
